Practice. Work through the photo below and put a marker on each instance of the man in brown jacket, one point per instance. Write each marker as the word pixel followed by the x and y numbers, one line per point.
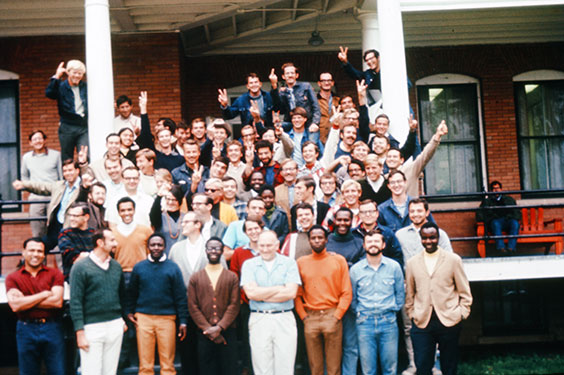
pixel 438 298
pixel 213 303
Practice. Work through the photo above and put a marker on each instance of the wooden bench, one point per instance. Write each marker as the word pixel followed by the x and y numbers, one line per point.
pixel 533 223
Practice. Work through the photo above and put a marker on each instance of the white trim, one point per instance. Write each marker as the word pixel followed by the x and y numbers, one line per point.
pixel 437 5
pixel 514 268
pixel 457 79
pixel 539 75
pixel 6 75
pixel 446 79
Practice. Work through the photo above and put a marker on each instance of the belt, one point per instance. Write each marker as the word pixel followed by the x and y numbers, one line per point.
pixel 39 320
pixel 270 311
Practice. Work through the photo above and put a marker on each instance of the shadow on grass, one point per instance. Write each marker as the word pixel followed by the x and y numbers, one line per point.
pixel 512 359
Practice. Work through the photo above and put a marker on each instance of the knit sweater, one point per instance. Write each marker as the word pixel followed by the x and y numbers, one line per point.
pixel 157 288
pixel 326 284
pixel 95 293
pixel 349 246
pixel 132 249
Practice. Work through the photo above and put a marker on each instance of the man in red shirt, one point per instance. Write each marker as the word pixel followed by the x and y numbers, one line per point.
pixel 35 294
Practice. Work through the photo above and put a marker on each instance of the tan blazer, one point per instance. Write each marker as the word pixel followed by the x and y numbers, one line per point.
pixel 281 200
pixel 446 290
pixel 56 190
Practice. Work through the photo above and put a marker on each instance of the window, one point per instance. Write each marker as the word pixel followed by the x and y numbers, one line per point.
pixel 539 102
pixel 9 134
pixel 457 164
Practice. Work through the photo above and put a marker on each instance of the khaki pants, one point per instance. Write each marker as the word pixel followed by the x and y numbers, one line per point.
pixel 323 337
pixel 162 330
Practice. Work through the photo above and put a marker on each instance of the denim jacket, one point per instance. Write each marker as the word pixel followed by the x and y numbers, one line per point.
pixel 305 97
pixel 61 92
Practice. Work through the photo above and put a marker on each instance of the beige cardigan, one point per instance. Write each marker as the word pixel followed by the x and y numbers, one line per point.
pixel 446 290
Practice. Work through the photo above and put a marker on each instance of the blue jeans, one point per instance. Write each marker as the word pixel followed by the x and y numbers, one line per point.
pixel 37 341
pixel 350 344
pixel 378 339
pixel 511 226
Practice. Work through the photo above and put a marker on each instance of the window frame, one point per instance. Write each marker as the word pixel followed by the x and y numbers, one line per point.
pixel 12 79
pixel 532 77
pixel 446 79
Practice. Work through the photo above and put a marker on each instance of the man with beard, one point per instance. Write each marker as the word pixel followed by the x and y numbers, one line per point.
pixel 242 105
pixel 213 302
pixel 368 213
pixel 342 241
pixel 269 168
pixel 255 182
pixel 94 196
pixel 436 305
pixel 322 302
pixel 378 294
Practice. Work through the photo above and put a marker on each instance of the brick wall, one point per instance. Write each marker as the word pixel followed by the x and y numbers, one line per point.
pixel 146 62
pixel 186 87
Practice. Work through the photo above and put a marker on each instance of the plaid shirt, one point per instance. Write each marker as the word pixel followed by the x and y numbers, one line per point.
pixel 72 242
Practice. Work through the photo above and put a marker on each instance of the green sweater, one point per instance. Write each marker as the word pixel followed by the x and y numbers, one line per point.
pixel 95 293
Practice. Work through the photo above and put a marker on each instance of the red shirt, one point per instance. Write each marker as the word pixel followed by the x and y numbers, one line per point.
pixel 240 255
pixel 45 279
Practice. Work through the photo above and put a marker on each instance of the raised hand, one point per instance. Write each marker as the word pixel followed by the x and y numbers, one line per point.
pixel 413 123
pixel 60 70
pixel 87 180
pixel 273 79
pixel 442 129
pixel 343 54
pixel 143 102
pixel 255 110
pixel 83 154
pixel 222 97
pixel 250 154
pixel 313 128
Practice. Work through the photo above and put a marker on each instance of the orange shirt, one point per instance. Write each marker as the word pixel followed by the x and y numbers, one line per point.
pixel 325 284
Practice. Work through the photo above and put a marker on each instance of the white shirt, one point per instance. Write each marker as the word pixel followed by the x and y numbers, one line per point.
pixel 194 250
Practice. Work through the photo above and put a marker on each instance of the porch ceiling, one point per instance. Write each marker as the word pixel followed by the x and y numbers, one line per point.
pixel 254 26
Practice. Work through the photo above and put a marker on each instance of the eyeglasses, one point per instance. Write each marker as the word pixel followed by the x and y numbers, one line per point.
pixel 210 190
pixel 289 169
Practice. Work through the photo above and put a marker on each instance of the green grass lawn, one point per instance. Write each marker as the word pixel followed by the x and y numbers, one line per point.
pixel 512 359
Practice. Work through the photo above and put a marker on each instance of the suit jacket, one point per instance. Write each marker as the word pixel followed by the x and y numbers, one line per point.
pixel 446 290
pixel 56 190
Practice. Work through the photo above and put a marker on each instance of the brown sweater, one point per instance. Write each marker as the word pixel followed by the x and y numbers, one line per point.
pixel 209 307
pixel 133 248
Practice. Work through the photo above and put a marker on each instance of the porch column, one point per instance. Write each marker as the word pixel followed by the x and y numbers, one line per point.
pixel 99 74
pixel 393 68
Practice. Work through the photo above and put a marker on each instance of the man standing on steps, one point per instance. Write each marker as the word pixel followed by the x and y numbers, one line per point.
pixel 97 292
pixel 438 298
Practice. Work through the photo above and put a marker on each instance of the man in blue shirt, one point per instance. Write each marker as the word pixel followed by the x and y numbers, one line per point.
pixel 378 294
pixel 271 282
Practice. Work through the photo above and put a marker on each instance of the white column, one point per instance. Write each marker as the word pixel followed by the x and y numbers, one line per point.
pixel 99 73
pixel 393 68
pixel 370 34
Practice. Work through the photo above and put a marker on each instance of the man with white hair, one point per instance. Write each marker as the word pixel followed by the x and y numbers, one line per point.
pixel 70 95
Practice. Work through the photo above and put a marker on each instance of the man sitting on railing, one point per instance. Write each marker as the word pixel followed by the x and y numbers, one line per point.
pixel 498 220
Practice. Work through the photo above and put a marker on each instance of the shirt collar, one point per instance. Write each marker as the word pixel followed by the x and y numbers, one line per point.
pixel 75 185
pixel 160 260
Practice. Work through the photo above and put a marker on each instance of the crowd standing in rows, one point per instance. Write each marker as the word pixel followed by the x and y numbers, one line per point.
pixel 303 238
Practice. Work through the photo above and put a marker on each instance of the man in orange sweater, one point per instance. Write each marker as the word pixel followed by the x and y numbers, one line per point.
pixel 322 301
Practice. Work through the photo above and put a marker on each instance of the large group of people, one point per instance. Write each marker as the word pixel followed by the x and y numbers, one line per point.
pixel 302 243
